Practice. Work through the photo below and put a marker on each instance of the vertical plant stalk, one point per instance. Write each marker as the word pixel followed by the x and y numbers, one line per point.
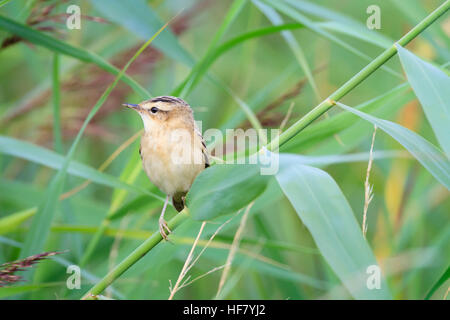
pixel 192 78
pixel 368 195
pixel 151 242
pixel 185 268
pixel 57 136
pixel 325 105
pixel 296 49
pixel 288 115
pixel 234 248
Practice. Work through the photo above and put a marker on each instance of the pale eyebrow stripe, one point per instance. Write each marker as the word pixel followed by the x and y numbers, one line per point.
pixel 168 99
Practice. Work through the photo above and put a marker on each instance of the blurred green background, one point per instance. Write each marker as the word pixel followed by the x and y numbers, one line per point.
pixel 408 227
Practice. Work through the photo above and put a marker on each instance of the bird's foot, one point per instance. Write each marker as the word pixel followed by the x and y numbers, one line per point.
pixel 163 228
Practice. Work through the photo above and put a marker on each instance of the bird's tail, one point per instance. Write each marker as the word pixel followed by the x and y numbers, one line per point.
pixel 178 201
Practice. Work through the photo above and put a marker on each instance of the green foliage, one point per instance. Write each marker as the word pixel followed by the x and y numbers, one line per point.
pixel 426 153
pixel 48 158
pixel 431 85
pixel 445 276
pixel 13 220
pixel 56 45
pixel 142 21
pixel 240 64
pixel 224 189
pixel 324 210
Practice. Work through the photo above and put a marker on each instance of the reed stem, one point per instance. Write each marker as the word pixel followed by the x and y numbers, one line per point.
pixel 325 105
pixel 292 131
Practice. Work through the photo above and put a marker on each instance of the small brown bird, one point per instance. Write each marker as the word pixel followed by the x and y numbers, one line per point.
pixel 172 149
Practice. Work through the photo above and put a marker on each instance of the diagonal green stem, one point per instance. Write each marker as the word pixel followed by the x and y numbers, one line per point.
pixel 137 254
pixel 151 242
pixel 356 79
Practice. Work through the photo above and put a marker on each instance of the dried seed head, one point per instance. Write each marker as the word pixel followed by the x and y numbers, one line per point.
pixel 8 269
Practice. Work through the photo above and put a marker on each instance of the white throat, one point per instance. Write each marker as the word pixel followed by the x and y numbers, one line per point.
pixel 146 121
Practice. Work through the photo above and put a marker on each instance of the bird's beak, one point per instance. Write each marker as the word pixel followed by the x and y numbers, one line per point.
pixel 132 106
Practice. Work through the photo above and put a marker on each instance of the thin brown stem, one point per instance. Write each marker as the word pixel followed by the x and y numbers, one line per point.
pixel 185 269
pixel 234 248
pixel 368 195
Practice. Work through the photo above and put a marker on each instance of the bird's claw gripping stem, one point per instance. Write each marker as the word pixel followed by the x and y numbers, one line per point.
pixel 163 228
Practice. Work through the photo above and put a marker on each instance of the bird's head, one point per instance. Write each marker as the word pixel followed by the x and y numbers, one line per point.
pixel 162 112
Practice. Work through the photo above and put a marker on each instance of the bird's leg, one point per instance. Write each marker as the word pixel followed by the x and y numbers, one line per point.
pixel 163 227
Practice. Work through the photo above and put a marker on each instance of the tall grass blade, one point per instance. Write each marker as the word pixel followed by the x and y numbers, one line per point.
pixel 51 159
pixel 224 189
pixel 296 15
pixel 324 210
pixel 445 276
pixel 412 10
pixel 431 85
pixel 142 20
pixel 3 2
pixel 275 18
pixel 57 137
pixel 55 45
pixel 12 221
pixel 315 134
pixel 195 75
pixel 375 64
pixel 426 153
pixel 26 288
pixel 338 22
pixel 186 86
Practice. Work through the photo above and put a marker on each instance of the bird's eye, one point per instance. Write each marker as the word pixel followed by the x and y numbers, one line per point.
pixel 154 109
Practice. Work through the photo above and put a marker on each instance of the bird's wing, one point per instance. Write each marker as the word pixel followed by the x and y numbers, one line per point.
pixel 204 150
